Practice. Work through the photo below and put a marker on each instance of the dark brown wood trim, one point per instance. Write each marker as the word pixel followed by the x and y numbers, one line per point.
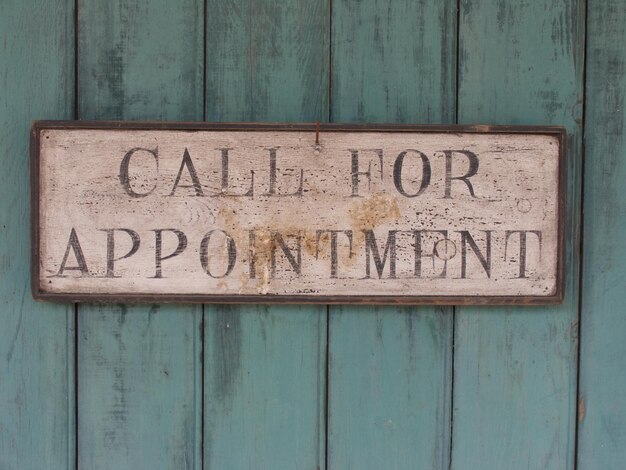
pixel 298 126
pixel 34 210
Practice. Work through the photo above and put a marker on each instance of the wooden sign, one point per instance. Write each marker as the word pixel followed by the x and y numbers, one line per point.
pixel 262 213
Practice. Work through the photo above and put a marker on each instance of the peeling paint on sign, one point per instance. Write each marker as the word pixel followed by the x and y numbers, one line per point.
pixel 245 213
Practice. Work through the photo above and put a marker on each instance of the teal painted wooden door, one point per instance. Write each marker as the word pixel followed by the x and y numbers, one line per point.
pixel 317 387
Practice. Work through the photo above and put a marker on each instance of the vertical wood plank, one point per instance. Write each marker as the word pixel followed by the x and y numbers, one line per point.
pixel 390 368
pixel 602 433
pixel 267 60
pixel 139 368
pixel 394 62
pixel 264 386
pixel 389 396
pixel 265 367
pixel 515 368
pixel 36 339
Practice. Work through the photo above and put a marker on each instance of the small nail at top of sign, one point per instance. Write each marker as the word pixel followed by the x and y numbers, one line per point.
pixel 318 147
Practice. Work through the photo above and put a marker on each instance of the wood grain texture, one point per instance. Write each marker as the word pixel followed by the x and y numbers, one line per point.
pixel 390 371
pixel 139 383
pixel 139 369
pixel 394 61
pixel 266 61
pixel 264 377
pixel 390 368
pixel 36 340
pixel 515 369
pixel 140 60
pixel 602 417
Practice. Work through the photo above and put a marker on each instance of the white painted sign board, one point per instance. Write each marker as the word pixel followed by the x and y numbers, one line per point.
pixel 261 213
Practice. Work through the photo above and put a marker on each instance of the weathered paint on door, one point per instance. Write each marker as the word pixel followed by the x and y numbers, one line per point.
pixel 311 387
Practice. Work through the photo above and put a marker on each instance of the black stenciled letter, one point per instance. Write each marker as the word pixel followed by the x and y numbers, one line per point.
pixel 251 254
pixel 273 171
pixel 124 175
pixel 111 248
pixel 195 182
pixel 74 245
pixel 230 248
pixel 523 247
pixel 356 173
pixel 419 254
pixel 295 262
pixel 473 169
pixel 158 256
pixel 485 261
pixel 225 177
pixel 390 250
pixel 397 173
pixel 333 247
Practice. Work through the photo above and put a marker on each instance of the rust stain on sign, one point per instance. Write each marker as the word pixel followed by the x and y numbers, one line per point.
pixel 261 213
pixel 581 410
pixel 373 211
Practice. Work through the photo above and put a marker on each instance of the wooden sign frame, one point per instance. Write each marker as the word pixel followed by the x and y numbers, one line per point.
pixel 40 293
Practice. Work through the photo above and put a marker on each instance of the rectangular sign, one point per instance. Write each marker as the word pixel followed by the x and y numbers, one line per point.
pixel 157 212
